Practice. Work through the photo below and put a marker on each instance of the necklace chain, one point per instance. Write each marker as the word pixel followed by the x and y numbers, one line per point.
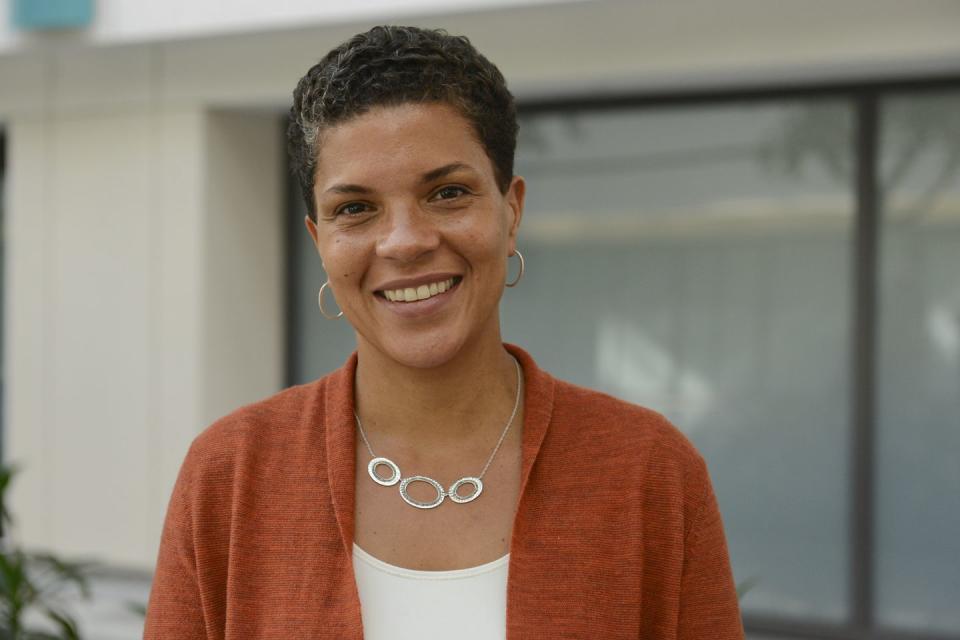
pixel 452 492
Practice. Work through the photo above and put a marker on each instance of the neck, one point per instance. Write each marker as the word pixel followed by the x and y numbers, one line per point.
pixel 470 395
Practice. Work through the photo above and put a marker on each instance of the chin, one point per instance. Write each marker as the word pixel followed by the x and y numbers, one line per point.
pixel 424 351
pixel 424 356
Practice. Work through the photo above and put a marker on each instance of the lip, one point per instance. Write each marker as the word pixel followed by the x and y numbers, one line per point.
pixel 420 308
pixel 404 283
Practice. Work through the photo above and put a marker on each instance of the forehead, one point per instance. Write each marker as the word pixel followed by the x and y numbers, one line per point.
pixel 388 143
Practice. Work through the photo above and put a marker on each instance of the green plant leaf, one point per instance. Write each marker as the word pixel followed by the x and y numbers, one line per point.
pixel 68 626
pixel 35 580
pixel 6 475
pixel 746 585
pixel 65 571
pixel 38 635
pixel 14 582
pixel 139 608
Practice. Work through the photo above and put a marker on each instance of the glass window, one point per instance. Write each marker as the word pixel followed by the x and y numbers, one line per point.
pixel 918 398
pixel 697 261
pixel 3 280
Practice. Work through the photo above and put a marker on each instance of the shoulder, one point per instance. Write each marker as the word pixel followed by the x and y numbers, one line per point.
pixel 589 428
pixel 263 419
pixel 596 414
pixel 633 456
pixel 601 435
pixel 257 432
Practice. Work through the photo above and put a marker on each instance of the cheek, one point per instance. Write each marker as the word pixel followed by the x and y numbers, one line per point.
pixel 487 233
pixel 488 251
pixel 340 258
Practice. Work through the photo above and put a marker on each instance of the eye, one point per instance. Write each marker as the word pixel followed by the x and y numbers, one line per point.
pixel 351 209
pixel 449 192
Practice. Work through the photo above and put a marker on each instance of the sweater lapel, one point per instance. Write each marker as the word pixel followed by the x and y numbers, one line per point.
pixel 341 436
pixel 537 407
pixel 526 554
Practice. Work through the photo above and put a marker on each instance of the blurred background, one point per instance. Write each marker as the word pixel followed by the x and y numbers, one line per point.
pixel 744 214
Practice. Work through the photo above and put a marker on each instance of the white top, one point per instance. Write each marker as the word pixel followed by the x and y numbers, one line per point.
pixel 406 604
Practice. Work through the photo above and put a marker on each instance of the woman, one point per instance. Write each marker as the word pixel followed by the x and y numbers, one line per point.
pixel 439 484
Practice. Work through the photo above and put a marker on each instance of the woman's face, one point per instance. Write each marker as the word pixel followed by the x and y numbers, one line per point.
pixel 413 232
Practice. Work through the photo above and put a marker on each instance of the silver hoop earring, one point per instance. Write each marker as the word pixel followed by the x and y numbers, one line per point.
pixel 522 267
pixel 320 304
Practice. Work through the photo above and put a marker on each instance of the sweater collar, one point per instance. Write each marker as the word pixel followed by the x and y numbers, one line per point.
pixel 341 432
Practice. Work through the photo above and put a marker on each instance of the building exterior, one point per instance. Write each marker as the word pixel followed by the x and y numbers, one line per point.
pixel 737 210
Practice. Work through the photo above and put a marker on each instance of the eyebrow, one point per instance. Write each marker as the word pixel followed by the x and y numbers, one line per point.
pixel 348 188
pixel 429 176
pixel 443 171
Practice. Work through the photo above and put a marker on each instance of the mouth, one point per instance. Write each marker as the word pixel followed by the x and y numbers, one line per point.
pixel 422 292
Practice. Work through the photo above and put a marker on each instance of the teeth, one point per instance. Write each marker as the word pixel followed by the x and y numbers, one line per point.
pixel 422 292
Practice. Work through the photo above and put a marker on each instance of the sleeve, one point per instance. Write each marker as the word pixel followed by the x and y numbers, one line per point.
pixel 174 609
pixel 708 596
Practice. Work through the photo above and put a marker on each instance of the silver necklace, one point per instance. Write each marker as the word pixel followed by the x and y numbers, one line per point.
pixel 474 481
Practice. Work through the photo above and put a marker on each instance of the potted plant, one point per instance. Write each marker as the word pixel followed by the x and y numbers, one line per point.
pixel 33 585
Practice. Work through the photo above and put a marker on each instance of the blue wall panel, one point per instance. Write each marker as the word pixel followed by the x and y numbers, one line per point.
pixel 51 14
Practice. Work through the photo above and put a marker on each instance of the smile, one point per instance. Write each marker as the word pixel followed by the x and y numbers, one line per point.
pixel 422 292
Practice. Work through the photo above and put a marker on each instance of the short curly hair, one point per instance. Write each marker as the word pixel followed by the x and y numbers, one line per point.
pixel 391 65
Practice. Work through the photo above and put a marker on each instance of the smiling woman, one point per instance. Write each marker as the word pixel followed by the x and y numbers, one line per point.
pixel 407 198
pixel 501 502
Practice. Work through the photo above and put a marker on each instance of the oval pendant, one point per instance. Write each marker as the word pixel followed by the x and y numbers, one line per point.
pixel 413 502
pixel 456 497
pixel 394 471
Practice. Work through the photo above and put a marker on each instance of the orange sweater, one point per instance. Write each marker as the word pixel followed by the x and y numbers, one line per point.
pixel 617 532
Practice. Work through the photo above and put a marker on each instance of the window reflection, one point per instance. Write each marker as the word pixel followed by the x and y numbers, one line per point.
pixel 697 261
pixel 918 400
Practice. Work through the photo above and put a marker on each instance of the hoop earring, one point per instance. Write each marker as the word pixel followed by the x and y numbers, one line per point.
pixel 320 304
pixel 522 267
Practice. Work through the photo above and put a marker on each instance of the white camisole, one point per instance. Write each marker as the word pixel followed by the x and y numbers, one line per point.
pixel 407 604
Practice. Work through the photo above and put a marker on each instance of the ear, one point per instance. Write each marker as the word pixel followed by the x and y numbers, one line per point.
pixel 312 230
pixel 514 200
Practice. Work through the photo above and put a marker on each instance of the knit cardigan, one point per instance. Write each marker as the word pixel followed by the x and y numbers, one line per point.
pixel 617 532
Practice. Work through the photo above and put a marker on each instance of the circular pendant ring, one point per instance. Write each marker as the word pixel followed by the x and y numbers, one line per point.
pixel 413 502
pixel 456 497
pixel 394 475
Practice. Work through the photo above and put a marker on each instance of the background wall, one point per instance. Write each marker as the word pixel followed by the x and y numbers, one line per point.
pixel 125 248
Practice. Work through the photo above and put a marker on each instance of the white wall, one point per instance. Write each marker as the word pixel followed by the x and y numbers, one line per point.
pixel 136 242
pixel 144 254
pixel 244 289
pixel 127 21
pixel 579 47
pixel 92 286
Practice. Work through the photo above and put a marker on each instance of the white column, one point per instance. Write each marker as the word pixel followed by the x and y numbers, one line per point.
pixel 245 279
pixel 144 298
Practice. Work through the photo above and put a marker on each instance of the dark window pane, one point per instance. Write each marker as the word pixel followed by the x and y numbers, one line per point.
pixel 918 471
pixel 697 261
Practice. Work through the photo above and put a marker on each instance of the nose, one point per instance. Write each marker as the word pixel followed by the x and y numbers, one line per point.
pixel 408 235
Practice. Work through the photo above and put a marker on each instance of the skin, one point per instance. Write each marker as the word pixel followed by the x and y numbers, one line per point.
pixel 403 192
